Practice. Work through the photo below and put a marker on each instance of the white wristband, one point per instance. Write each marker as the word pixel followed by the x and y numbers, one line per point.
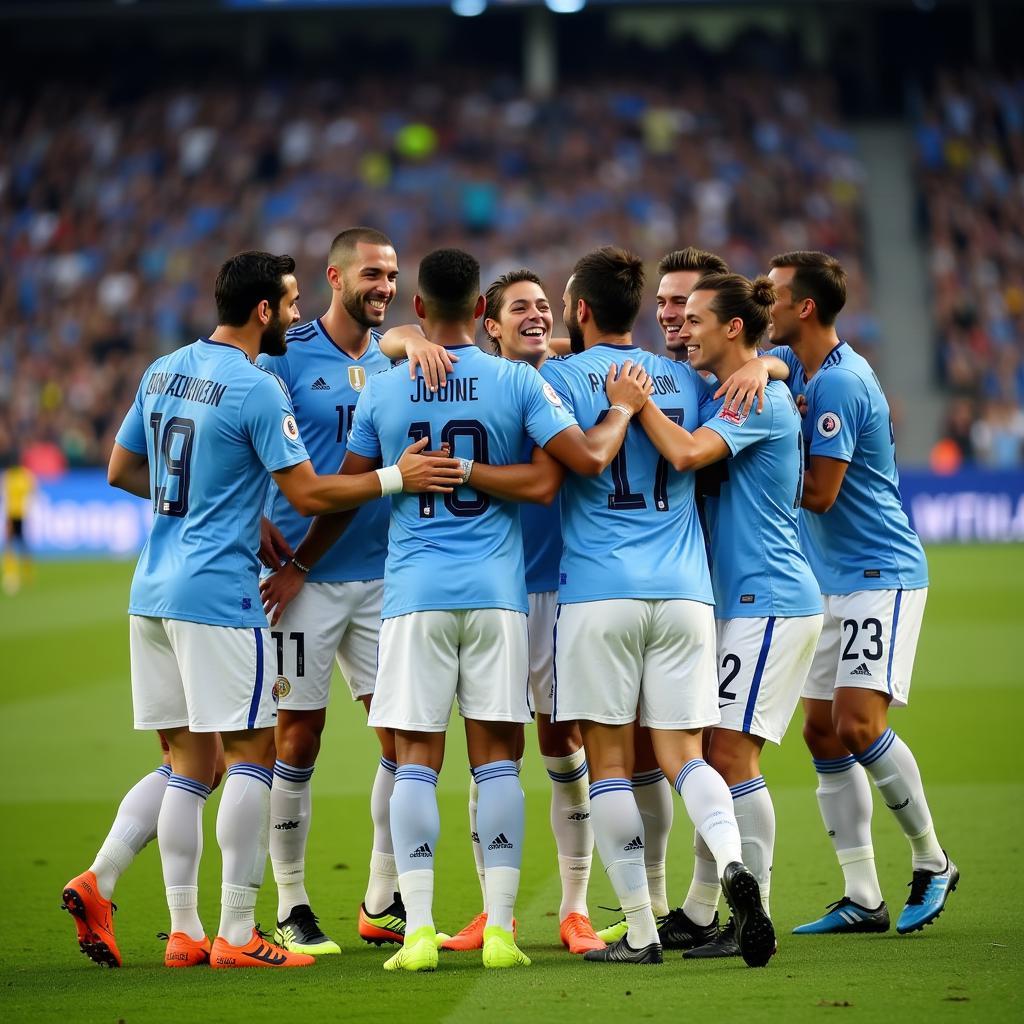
pixel 390 480
pixel 625 412
pixel 466 466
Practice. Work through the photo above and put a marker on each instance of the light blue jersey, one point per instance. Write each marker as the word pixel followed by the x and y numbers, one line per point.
pixel 324 383
pixel 633 531
pixel 864 541
pixel 542 541
pixel 212 425
pixel 757 567
pixel 465 549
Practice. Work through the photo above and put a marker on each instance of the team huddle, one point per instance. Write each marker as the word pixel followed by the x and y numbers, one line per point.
pixel 655 558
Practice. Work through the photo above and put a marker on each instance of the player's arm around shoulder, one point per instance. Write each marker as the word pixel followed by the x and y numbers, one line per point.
pixel 836 405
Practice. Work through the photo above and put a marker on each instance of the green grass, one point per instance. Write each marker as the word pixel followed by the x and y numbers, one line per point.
pixel 70 754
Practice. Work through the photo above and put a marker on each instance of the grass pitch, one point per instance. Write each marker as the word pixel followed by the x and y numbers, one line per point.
pixel 70 754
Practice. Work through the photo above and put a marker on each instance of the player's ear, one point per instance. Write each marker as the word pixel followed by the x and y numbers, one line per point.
pixel 582 311
pixel 417 305
pixel 264 312
pixel 478 309
pixel 334 278
pixel 807 307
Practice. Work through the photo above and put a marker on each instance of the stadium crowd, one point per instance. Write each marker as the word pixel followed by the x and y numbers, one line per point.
pixel 970 151
pixel 115 214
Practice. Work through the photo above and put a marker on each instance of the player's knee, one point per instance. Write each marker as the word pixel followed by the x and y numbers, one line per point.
pixel 819 736
pixel 557 739
pixel 733 763
pixel 856 732
pixel 298 741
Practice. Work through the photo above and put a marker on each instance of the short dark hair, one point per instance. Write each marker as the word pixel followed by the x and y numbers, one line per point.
pixel 246 280
pixel 692 258
pixel 736 297
pixel 819 277
pixel 449 284
pixel 495 296
pixel 344 245
pixel 611 282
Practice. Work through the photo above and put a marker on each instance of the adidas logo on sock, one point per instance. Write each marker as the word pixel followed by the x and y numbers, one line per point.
pixel 500 842
pixel 898 807
pixel 321 385
pixel 861 670
pixel 635 844
pixel 422 850
pixel 578 816
pixel 286 826
pixel 476 836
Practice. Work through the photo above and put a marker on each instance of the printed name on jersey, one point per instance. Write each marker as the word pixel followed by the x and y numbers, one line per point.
pixel 290 427
pixel 737 417
pixel 357 377
pixel 551 396
pixel 829 424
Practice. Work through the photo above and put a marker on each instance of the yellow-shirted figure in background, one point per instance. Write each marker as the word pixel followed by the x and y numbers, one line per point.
pixel 19 486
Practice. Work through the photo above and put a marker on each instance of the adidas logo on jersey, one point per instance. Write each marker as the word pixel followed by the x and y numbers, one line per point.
pixel 321 385
pixel 423 850
pixel 861 670
pixel 634 844
pixel 500 842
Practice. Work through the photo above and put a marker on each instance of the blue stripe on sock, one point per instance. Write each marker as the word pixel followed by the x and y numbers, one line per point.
pixel 750 786
pixel 252 771
pixel 831 767
pixel 648 778
pixel 877 749
pixel 610 786
pixel 257 686
pixel 164 770
pixel 416 773
pixel 755 686
pixel 389 765
pixel 892 639
pixel 685 771
pixel 495 770
pixel 291 773
pixel 576 773
pixel 194 786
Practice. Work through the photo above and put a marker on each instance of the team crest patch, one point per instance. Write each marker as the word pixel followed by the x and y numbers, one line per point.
pixel 549 394
pixel 281 687
pixel 357 377
pixel 829 424
pixel 290 428
pixel 737 417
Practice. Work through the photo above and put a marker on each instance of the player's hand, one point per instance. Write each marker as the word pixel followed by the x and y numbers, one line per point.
pixel 279 589
pixel 744 386
pixel 428 471
pixel 629 386
pixel 801 404
pixel 274 549
pixel 434 361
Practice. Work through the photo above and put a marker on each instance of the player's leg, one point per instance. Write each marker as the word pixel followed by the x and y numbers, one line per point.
pixel 654 799
pixel 303 646
pixel 883 629
pixel 492 697
pixel 416 681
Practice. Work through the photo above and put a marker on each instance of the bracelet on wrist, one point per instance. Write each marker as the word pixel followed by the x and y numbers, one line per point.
pixel 467 468
pixel 304 569
pixel 625 412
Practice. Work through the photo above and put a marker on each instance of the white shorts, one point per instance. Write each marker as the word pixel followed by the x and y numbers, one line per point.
pixel 428 659
pixel 762 666
pixel 616 658
pixel 541 626
pixel 869 640
pixel 327 622
pixel 209 678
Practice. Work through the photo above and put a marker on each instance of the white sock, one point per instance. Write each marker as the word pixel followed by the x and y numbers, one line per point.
pixel 478 853
pixel 180 838
pixel 618 830
pixel 290 813
pixel 134 826
pixel 709 805
pixel 417 889
pixel 844 798
pixel 502 886
pixel 654 800
pixel 382 884
pixel 570 824
pixel 243 826
pixel 893 769
pixel 701 903
pixel 755 817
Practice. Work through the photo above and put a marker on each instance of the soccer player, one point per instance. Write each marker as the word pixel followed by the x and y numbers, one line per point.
pixel 206 427
pixel 635 626
pixel 680 270
pixel 337 614
pixel 872 572
pixel 450 629
pixel 19 487
pixel 766 598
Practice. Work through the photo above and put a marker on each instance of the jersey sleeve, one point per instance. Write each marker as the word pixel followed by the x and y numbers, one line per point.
pixel 544 411
pixel 277 365
pixel 268 420
pixel 363 438
pixel 787 355
pixel 836 407
pixel 132 434
pixel 739 430
pixel 552 373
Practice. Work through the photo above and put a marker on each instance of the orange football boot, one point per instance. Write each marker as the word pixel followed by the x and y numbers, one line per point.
pixel 472 936
pixel 94 918
pixel 578 934
pixel 257 952
pixel 184 951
